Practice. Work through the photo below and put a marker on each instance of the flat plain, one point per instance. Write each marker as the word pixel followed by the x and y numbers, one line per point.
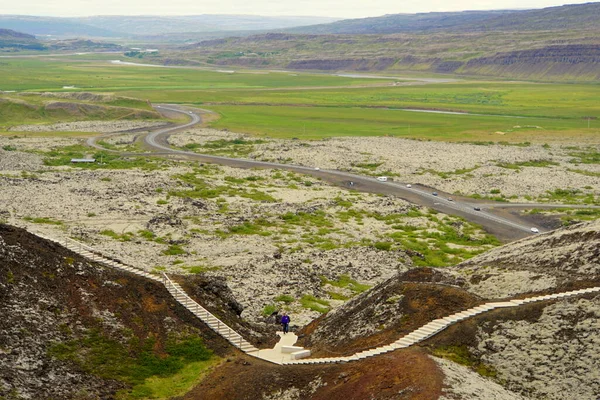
pixel 312 106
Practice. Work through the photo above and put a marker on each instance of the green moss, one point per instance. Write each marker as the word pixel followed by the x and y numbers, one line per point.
pixel 269 309
pixel 124 237
pixel 174 250
pixel 532 163
pixel 591 156
pixel 386 246
pixel 43 220
pixel 134 363
pixel 285 298
pixel 346 282
pixel 337 296
pixel 199 269
pixel 458 354
pixel 146 234
pixel 312 303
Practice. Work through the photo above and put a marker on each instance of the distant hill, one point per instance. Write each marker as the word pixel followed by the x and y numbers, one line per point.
pixel 572 16
pixel 552 44
pixel 158 25
pixel 42 26
pixel 399 23
pixel 575 16
pixel 131 26
pixel 10 39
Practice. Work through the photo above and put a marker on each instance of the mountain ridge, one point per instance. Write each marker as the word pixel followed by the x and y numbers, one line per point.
pixel 549 18
pixel 140 25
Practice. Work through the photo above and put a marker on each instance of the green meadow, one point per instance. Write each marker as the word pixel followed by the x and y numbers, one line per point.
pixel 155 82
pixel 321 122
pixel 519 99
pixel 304 105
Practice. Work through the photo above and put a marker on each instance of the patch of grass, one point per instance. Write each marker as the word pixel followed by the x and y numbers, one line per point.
pixel 202 189
pixel 591 156
pixel 249 228
pixel 312 303
pixel 346 282
pixel 462 356
pixel 136 364
pixel 369 166
pixel 123 237
pixel 386 246
pixel 62 157
pixel 146 234
pixel 9 147
pixel 43 220
pixel 110 359
pixel 570 196
pixel 285 298
pixel 457 354
pixel 199 269
pixel 337 296
pixel 584 172
pixel 435 248
pixel 570 215
pixel 269 309
pixel 174 250
pixel 448 174
pixel 317 219
pixel 178 384
pixel 533 163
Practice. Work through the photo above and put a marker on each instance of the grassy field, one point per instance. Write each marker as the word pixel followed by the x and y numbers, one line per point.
pixel 283 104
pixel 320 122
pixel 156 82
pixel 522 99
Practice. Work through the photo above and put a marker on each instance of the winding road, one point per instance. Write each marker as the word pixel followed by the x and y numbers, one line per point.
pixel 491 215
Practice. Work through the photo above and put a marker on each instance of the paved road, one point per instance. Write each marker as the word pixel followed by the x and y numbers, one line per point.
pixel 491 216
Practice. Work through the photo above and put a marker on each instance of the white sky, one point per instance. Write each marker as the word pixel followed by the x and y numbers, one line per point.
pixel 328 8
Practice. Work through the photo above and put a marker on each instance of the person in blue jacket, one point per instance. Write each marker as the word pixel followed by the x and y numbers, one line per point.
pixel 285 321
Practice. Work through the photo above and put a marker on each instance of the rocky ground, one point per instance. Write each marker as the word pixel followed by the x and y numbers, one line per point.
pixel 281 240
pixel 541 350
pixel 553 357
pixel 461 383
pixel 87 126
pixel 520 173
pixel 553 260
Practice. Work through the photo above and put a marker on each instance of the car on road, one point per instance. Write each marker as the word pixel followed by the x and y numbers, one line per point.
pixel 450 199
pixel 317 169
pixel 477 208
pixel 434 193
pixel 382 178
pixel 409 185
pixel 535 230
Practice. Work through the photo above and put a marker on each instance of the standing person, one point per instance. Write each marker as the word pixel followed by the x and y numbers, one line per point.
pixel 285 321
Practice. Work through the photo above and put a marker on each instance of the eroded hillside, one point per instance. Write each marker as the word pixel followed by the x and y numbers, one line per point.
pixel 72 329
